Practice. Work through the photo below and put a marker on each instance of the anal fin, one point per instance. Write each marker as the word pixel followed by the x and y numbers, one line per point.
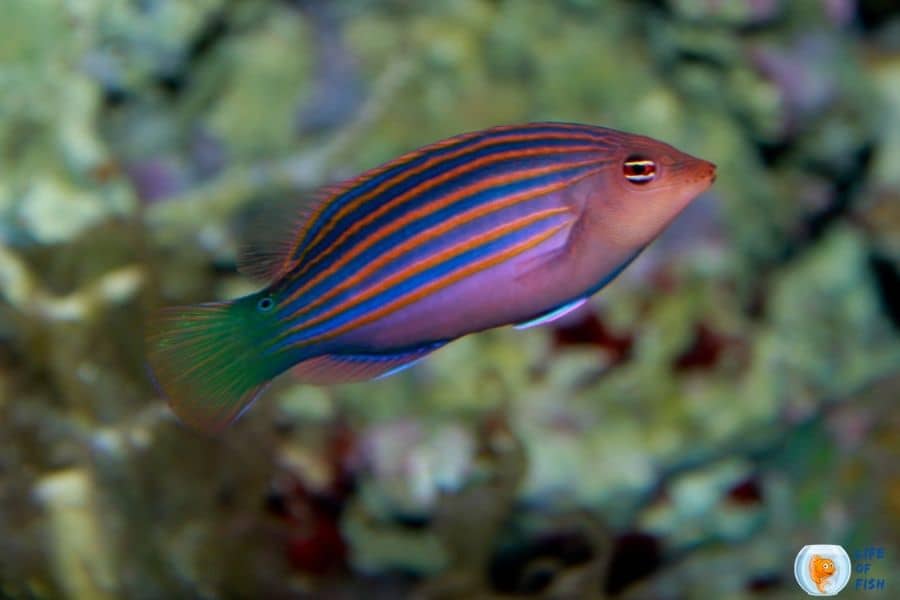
pixel 347 368
pixel 556 313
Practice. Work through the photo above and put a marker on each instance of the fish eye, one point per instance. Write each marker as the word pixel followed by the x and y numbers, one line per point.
pixel 638 169
pixel 265 304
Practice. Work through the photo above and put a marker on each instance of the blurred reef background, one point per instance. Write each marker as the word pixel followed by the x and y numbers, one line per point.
pixel 729 399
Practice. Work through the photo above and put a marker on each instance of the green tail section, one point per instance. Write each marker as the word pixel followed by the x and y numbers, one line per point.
pixel 208 361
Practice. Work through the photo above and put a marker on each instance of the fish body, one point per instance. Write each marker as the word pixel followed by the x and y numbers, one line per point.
pixel 503 226
pixel 820 569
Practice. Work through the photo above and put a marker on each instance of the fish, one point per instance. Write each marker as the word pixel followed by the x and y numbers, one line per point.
pixel 511 225
pixel 820 569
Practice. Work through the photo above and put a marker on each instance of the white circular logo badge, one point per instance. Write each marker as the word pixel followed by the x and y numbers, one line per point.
pixel 822 569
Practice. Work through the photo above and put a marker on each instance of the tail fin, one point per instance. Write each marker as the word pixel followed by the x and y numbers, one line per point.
pixel 208 362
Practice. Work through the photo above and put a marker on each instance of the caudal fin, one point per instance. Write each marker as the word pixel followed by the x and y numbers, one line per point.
pixel 208 363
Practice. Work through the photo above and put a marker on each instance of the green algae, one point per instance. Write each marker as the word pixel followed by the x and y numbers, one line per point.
pixel 762 342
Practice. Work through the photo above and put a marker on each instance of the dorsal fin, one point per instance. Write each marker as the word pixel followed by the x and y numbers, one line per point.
pixel 272 232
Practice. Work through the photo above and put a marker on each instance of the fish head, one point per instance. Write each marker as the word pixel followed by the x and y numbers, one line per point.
pixel 643 187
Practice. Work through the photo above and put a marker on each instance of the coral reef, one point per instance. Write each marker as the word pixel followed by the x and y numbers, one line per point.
pixel 729 399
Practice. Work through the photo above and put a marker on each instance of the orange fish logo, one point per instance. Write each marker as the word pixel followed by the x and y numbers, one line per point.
pixel 820 569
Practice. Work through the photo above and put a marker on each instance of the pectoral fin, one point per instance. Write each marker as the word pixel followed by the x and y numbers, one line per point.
pixel 346 368
pixel 537 265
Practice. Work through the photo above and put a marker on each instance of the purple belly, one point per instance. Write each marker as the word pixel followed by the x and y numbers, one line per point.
pixel 510 292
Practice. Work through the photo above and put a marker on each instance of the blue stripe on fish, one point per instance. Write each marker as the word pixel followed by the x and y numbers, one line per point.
pixel 409 284
pixel 429 221
pixel 401 167
pixel 356 200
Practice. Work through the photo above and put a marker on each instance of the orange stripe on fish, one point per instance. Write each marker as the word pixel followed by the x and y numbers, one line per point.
pixel 422 212
pixel 355 203
pixel 446 281
pixel 433 261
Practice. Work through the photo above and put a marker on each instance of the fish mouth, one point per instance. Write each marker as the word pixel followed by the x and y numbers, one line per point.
pixel 709 171
pixel 703 170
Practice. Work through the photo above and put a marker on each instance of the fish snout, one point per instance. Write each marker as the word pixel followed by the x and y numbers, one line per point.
pixel 693 169
pixel 707 170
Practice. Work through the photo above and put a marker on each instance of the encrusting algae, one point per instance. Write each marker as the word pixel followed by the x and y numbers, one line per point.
pixel 730 394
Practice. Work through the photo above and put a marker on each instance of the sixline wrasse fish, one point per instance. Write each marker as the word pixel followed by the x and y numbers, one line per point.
pixel 514 225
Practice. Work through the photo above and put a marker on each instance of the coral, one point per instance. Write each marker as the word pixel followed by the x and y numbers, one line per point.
pixel 725 401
